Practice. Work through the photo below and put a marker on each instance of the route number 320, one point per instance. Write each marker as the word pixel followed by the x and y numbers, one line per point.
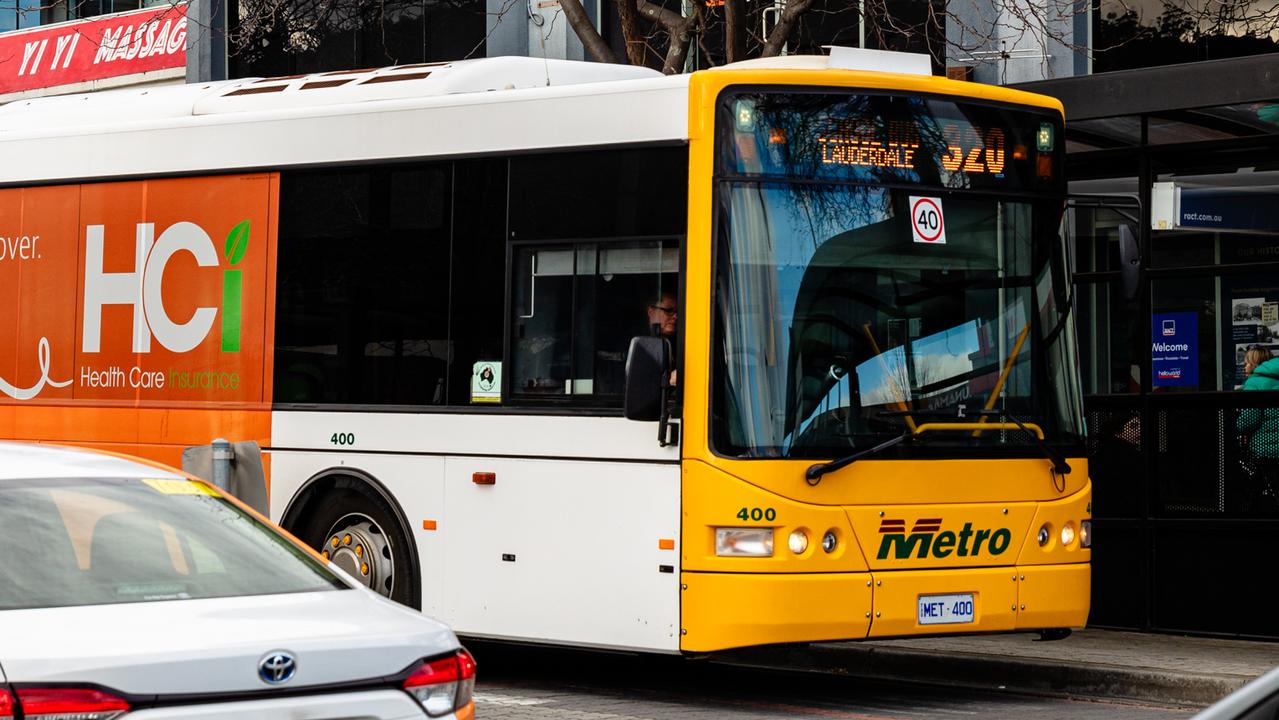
pixel 343 439
pixel 757 514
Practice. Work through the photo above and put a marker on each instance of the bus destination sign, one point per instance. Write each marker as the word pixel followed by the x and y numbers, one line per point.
pixel 889 138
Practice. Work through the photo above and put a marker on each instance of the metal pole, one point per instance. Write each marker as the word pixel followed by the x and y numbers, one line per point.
pixel 223 456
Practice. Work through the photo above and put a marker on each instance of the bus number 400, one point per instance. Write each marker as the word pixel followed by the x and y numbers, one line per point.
pixel 757 514
pixel 343 439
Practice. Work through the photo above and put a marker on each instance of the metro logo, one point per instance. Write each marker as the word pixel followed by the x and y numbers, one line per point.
pixel 143 287
pixel 925 541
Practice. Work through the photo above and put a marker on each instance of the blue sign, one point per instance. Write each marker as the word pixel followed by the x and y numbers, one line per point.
pixel 1174 349
pixel 1229 208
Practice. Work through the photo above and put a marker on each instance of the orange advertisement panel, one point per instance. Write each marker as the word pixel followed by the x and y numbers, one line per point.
pixel 147 293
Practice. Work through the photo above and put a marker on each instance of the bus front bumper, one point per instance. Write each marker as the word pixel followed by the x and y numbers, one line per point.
pixel 727 610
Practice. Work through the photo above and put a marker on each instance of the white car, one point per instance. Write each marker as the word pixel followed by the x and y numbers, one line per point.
pixel 130 591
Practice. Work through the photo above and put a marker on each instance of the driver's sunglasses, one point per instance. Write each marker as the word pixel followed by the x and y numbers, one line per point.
pixel 667 310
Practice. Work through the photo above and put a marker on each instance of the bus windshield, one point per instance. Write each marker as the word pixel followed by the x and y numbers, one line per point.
pixel 854 308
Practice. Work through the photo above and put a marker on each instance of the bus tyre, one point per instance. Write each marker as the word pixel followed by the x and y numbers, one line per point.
pixel 359 532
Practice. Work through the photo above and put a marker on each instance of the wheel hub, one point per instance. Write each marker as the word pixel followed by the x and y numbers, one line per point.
pixel 357 545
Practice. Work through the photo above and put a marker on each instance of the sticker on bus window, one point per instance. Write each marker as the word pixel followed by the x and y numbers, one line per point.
pixel 486 382
pixel 927 224
pixel 181 487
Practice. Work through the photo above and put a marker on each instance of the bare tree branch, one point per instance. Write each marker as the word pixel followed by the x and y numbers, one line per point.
pixel 735 30
pixel 785 24
pixel 628 16
pixel 592 41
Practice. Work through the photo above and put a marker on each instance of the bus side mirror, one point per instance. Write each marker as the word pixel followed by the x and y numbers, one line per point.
pixel 648 367
pixel 1129 261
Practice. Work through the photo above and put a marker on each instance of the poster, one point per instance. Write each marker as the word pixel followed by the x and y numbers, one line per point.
pixel 1174 349
pixel 1254 322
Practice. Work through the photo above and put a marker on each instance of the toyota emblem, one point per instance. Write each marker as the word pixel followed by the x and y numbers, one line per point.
pixel 277 668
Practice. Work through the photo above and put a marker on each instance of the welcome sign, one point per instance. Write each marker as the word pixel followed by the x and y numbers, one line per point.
pixel 1174 349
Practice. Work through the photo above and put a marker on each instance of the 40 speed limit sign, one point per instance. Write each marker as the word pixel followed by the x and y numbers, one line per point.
pixel 927 224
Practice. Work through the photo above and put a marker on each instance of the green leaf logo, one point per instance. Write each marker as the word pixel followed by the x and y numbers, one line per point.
pixel 237 242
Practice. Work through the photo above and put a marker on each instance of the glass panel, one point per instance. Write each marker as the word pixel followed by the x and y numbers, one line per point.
pixel 1093 224
pixel 600 194
pixel 1105 133
pixel 1176 248
pixel 362 293
pixel 114 541
pixel 1111 342
pixel 1189 128
pixel 575 309
pixel 832 325
pixel 1252 324
pixel 478 306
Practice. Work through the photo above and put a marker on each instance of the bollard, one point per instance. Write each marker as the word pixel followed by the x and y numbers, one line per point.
pixel 223 456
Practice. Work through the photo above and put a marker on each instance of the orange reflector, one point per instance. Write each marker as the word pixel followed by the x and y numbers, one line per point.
pixel 428 524
pixel 777 136
pixel 1044 166
pixel 484 478
pixel 665 544
pixel 1019 152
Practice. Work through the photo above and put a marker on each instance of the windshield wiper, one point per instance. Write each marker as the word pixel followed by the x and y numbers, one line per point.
pixel 814 473
pixel 1060 466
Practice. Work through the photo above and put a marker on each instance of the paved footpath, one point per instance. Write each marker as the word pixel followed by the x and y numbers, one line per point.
pixel 1142 667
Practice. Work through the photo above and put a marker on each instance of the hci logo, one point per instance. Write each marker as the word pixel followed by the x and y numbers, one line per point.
pixel 924 540
pixel 142 288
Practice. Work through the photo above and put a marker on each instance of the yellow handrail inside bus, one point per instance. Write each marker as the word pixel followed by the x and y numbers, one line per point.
pixel 961 426
pixel 901 403
pixel 1003 376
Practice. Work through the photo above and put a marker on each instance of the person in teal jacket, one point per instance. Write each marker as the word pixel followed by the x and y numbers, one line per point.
pixel 1261 426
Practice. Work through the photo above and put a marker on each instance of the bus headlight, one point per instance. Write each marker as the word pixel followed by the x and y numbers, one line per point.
pixel 830 541
pixel 1044 535
pixel 1067 534
pixel 1085 533
pixel 744 542
pixel 798 542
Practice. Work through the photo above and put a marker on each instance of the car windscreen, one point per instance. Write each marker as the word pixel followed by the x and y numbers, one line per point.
pixel 97 541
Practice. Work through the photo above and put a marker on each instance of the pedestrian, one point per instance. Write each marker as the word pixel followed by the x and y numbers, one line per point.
pixel 1261 426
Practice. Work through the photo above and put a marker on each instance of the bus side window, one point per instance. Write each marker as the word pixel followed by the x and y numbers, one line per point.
pixel 574 309
pixel 362 287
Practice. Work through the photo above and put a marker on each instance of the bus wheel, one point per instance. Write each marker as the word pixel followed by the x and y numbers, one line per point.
pixel 360 534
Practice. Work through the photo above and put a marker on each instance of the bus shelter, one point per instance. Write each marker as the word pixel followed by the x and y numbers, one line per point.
pixel 1187 158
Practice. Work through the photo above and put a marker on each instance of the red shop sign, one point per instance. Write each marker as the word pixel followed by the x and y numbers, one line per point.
pixel 84 50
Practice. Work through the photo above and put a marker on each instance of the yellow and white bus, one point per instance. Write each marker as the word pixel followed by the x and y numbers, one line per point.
pixel 417 287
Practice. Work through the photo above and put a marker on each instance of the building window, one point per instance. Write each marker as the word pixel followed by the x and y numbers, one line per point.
pixel 1132 34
